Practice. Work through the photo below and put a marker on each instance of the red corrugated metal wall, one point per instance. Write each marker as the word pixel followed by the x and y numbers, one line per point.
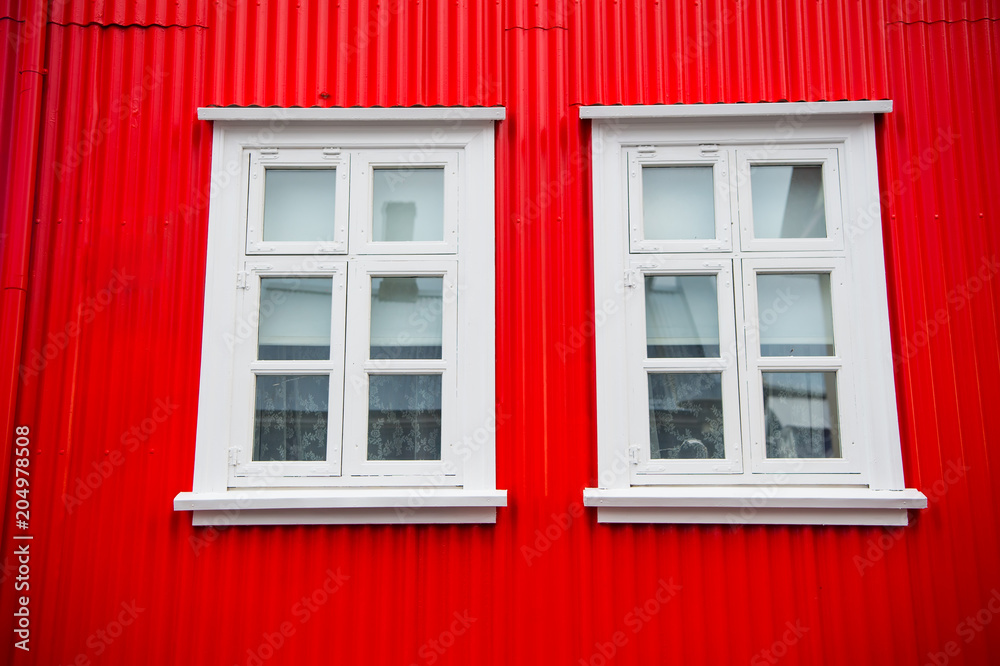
pixel 111 349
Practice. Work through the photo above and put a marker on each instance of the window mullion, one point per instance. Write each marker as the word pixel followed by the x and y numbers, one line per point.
pixel 753 394
pixel 741 342
pixel 355 375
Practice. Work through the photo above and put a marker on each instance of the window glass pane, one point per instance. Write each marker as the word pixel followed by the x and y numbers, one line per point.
pixel 788 202
pixel 682 316
pixel 404 417
pixel 795 314
pixel 678 203
pixel 685 415
pixel 408 205
pixel 299 204
pixel 406 317
pixel 290 417
pixel 800 415
pixel 294 319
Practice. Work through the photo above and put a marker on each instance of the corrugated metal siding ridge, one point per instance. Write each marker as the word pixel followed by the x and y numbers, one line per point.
pixel 134 12
pixel 941 11
pixel 937 155
pixel 141 26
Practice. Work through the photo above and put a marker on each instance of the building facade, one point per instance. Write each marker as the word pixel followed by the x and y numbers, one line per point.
pixel 109 183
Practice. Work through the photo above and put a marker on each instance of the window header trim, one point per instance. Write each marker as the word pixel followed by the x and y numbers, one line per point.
pixel 764 109
pixel 341 114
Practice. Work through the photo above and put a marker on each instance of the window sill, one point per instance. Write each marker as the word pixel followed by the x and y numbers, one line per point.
pixel 748 505
pixel 347 506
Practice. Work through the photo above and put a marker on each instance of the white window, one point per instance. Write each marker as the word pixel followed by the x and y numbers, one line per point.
pixel 348 351
pixel 743 358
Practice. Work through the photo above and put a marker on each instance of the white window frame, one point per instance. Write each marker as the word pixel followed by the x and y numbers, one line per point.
pixel 363 178
pixel 863 487
pixel 446 471
pixel 645 470
pixel 833 196
pixel 263 158
pixel 849 462
pixel 229 487
pixel 679 156
pixel 243 470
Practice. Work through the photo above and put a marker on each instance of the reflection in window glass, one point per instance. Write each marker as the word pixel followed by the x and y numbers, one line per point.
pixel 406 317
pixel 290 417
pixel 788 202
pixel 404 417
pixel 299 204
pixel 294 319
pixel 408 205
pixel 800 415
pixel 796 314
pixel 678 203
pixel 682 316
pixel 685 415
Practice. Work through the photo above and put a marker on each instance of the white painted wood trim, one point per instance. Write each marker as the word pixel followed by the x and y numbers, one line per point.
pixel 879 478
pixel 610 295
pixel 324 498
pixel 448 470
pixel 342 506
pixel 465 492
pixel 665 111
pixel 754 506
pixel 349 516
pixel 765 516
pixel 409 114
pixel 648 470
pixel 798 497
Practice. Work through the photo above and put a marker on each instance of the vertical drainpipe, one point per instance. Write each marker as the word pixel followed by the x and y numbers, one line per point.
pixel 29 82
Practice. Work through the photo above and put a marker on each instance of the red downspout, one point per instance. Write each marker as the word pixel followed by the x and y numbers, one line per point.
pixel 29 83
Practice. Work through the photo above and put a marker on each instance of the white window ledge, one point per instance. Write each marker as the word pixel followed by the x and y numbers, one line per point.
pixel 341 506
pixel 750 505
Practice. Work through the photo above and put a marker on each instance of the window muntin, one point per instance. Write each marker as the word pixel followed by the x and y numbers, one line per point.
pixel 705 399
pixel 382 333
pixel 354 373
